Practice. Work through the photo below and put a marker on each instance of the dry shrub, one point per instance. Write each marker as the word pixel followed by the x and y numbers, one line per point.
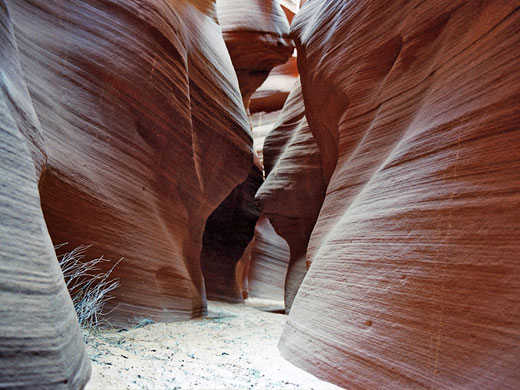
pixel 88 286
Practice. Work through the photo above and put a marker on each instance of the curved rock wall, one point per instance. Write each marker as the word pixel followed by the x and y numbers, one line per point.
pixel 293 191
pixel 257 37
pixel 145 133
pixel 41 345
pixel 415 279
pixel 256 34
pixel 268 263
pixel 268 100
pixel 273 93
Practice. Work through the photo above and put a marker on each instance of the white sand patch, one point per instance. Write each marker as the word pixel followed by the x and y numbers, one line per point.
pixel 234 347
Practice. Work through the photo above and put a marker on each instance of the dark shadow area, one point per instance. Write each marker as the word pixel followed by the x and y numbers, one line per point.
pixel 229 229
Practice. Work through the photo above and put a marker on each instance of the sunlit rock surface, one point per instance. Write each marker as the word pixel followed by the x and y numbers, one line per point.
pixel 273 93
pixel 257 35
pixel 414 279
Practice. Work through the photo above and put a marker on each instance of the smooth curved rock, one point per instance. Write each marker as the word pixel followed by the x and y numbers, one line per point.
pixel 415 279
pixel 268 264
pixel 41 346
pixel 257 37
pixel 273 93
pixel 262 123
pixel 293 191
pixel 267 102
pixel 146 135
pixel 269 260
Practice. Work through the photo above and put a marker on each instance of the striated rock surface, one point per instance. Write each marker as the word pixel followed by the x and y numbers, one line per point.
pixel 293 191
pixel 257 37
pixel 264 91
pixel 273 93
pixel 267 102
pixel 415 279
pixel 256 34
pixel 262 123
pixel 290 7
pixel 41 346
pixel 268 263
pixel 145 133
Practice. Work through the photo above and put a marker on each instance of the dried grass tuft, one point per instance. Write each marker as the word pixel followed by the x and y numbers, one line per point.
pixel 88 286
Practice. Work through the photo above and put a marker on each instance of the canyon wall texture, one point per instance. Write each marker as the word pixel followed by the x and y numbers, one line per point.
pixel 293 191
pixel 256 44
pixel 41 346
pixel 273 93
pixel 414 276
pixel 269 260
pixel 145 133
pixel 256 34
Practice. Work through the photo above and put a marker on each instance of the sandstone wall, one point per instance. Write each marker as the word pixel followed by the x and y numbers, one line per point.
pixel 414 278
pixel 145 133
pixel 293 191
pixel 41 345
pixel 269 260
pixel 256 35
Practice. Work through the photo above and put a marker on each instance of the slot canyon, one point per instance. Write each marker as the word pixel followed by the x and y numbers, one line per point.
pixel 281 194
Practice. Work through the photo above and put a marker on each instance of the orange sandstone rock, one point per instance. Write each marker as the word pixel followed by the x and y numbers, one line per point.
pixel 146 135
pixel 294 188
pixel 415 278
pixel 257 36
pixel 273 93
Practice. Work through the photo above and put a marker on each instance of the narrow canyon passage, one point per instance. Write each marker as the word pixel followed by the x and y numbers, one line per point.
pixel 354 165
pixel 233 347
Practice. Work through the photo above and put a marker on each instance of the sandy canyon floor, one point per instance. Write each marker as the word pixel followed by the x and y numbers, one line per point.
pixel 233 347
